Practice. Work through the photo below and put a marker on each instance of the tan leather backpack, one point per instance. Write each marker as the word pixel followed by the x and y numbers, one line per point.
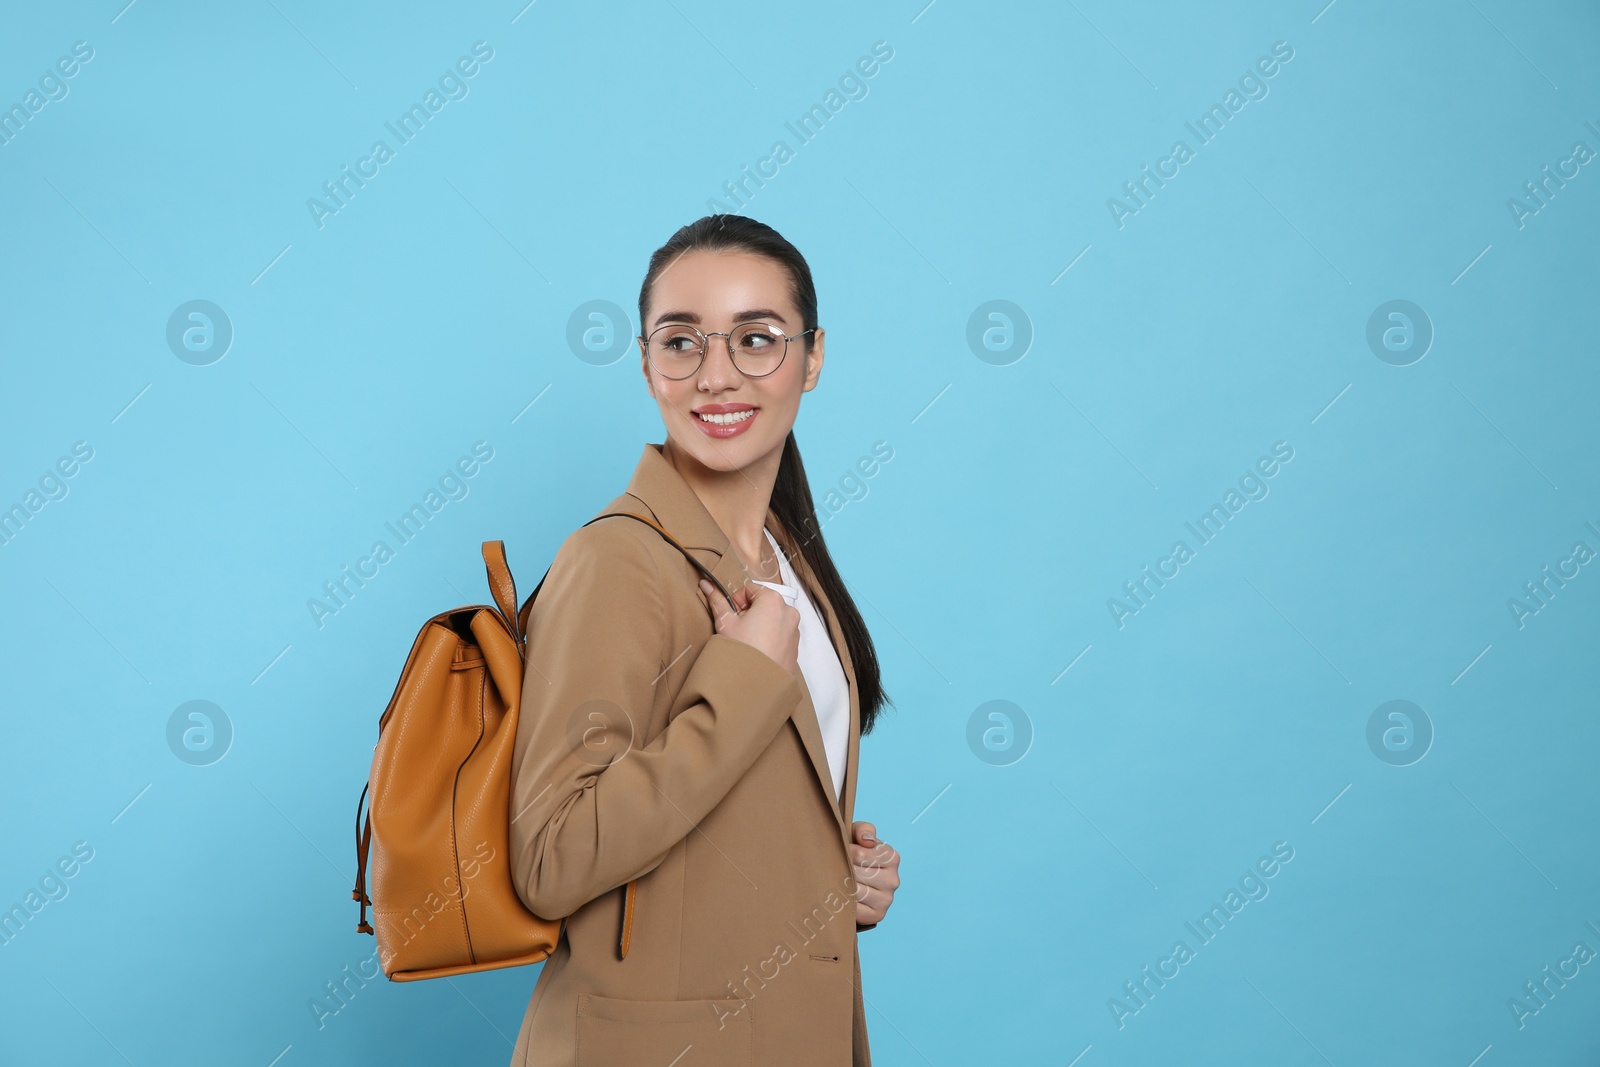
pixel 443 895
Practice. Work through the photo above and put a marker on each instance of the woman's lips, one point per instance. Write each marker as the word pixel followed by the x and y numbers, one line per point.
pixel 729 424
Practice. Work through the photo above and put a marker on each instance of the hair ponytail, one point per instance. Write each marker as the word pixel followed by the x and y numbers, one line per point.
pixel 791 501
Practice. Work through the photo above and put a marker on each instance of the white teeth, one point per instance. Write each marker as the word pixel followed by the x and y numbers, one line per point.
pixel 728 419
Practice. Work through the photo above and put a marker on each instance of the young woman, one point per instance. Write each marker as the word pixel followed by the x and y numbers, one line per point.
pixel 685 769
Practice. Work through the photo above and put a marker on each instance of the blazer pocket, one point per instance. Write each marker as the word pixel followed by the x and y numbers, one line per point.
pixel 714 1033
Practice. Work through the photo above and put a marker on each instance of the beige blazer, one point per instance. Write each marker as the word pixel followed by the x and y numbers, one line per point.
pixel 652 748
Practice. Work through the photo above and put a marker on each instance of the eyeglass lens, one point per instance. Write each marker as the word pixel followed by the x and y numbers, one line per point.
pixel 677 349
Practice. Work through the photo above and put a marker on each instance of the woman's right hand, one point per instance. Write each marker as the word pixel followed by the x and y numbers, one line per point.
pixel 764 622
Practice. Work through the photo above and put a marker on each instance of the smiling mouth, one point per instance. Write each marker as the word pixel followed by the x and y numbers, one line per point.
pixel 727 419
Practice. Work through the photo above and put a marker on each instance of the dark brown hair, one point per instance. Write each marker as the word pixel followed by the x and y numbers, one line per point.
pixel 791 494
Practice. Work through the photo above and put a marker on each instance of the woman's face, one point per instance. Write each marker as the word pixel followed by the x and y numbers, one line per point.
pixel 714 292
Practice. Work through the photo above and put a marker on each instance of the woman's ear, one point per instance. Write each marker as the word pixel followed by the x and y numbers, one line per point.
pixel 813 361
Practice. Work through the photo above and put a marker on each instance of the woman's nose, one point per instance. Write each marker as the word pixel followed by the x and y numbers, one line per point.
pixel 717 366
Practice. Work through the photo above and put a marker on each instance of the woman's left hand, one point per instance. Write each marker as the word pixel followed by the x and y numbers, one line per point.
pixel 877 873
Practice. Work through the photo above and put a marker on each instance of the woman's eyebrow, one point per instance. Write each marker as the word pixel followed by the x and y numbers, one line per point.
pixel 742 316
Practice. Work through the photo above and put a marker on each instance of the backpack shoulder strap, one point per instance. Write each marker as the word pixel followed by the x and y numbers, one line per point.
pixel 701 567
pixel 503 587
pixel 522 617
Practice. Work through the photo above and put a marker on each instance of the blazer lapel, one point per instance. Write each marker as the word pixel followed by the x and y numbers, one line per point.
pixel 847 794
pixel 671 501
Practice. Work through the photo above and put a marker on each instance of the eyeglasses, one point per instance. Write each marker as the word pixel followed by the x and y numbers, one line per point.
pixel 677 349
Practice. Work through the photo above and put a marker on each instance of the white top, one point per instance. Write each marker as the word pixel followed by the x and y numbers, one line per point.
pixel 819 663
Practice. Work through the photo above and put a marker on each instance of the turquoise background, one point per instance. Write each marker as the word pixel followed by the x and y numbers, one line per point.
pixel 1048 855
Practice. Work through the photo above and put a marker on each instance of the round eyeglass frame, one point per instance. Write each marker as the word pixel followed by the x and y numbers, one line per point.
pixel 727 336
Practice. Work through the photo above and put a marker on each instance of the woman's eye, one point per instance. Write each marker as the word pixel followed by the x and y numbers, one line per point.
pixel 756 341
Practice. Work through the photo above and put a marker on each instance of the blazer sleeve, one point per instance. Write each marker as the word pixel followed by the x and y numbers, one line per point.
pixel 593 805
